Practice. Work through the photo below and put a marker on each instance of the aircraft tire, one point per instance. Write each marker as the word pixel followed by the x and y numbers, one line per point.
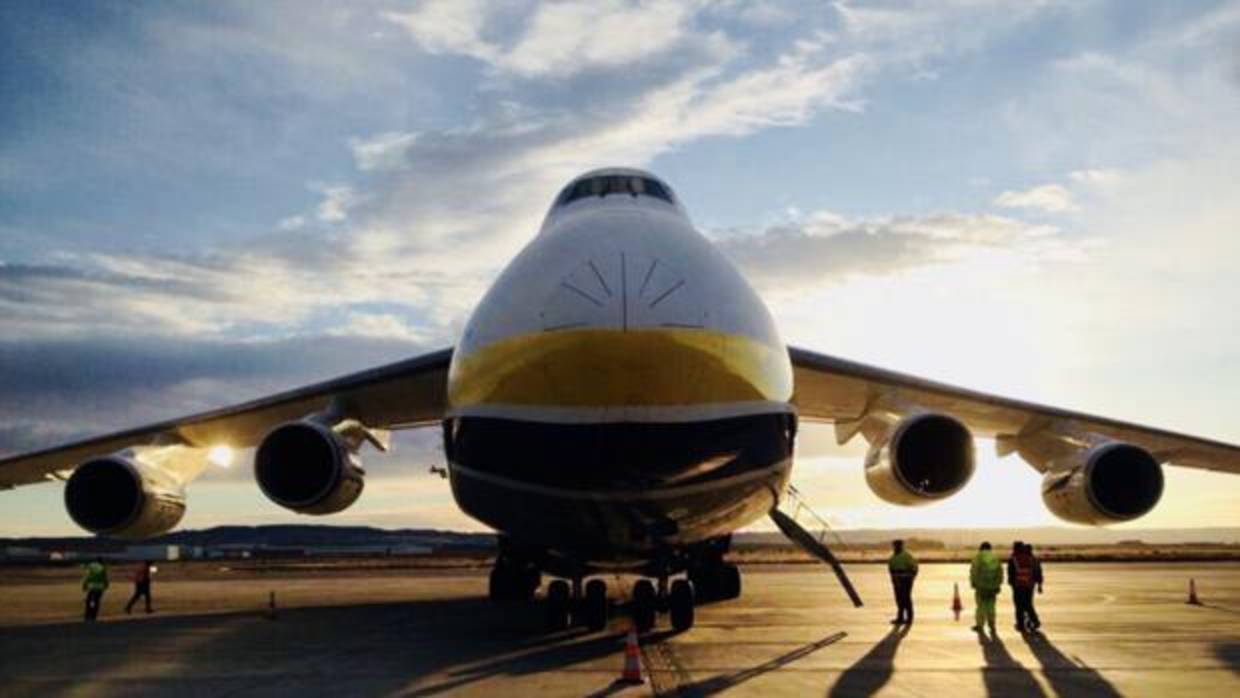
pixel 557 605
pixel 680 605
pixel 596 605
pixel 643 605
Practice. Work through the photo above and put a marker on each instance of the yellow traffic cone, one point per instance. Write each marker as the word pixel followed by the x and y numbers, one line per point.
pixel 632 673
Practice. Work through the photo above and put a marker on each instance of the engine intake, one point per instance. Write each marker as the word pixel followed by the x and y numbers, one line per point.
pixel 1108 483
pixel 926 457
pixel 307 467
pixel 121 497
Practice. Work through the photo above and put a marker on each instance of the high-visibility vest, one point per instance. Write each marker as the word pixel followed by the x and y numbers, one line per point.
pixel 1022 565
pixel 902 564
pixel 96 577
pixel 986 573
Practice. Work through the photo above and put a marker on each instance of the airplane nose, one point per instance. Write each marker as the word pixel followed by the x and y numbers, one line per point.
pixel 623 336
pixel 624 291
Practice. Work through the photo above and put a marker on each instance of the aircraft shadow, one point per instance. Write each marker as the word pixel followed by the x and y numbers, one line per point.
pixel 383 649
pixel 873 670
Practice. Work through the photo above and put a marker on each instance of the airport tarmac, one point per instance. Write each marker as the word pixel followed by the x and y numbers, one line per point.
pixel 1110 630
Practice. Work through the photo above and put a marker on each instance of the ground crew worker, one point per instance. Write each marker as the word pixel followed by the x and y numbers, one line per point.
pixel 1034 622
pixel 903 569
pixel 141 586
pixel 94 584
pixel 1020 578
pixel 986 578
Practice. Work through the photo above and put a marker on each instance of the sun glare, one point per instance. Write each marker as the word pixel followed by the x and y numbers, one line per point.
pixel 220 456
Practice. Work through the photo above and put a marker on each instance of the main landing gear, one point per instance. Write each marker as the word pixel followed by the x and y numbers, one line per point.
pixel 716 582
pixel 513 581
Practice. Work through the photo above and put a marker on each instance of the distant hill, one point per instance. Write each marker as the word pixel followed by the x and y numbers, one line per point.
pixel 324 535
pixel 280 536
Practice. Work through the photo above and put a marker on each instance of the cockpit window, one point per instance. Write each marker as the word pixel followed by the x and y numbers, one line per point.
pixel 614 184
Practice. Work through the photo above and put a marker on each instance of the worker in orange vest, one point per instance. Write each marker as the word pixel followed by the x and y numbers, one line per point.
pixel 141 586
pixel 1024 572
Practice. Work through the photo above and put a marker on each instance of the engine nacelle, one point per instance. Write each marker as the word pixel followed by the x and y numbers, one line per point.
pixel 120 496
pixel 925 457
pixel 1108 483
pixel 307 467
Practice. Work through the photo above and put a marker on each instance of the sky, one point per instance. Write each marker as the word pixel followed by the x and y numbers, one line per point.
pixel 204 202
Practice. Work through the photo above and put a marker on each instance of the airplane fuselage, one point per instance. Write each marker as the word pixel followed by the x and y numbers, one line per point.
pixel 620 387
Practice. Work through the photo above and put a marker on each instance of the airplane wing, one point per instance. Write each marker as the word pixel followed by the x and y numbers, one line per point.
pixel 403 394
pixel 831 389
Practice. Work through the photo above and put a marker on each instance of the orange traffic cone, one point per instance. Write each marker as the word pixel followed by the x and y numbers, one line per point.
pixel 1192 592
pixel 632 673
pixel 271 605
pixel 957 607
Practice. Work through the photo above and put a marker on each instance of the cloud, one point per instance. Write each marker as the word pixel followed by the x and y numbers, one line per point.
pixel 1047 198
pixel 384 151
pixel 336 202
pixel 555 40
pixel 825 248
pixel 56 390
pixel 1096 177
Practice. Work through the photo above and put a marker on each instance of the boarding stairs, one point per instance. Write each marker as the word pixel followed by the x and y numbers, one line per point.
pixel 816 545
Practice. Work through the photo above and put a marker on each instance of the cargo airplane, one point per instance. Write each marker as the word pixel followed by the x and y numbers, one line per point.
pixel 620 399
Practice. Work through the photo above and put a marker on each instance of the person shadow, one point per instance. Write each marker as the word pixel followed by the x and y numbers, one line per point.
pixel 1229 654
pixel 1068 676
pixel 873 670
pixel 1003 675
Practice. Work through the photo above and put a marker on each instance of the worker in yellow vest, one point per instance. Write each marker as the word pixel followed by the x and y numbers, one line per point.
pixel 94 584
pixel 986 578
pixel 903 569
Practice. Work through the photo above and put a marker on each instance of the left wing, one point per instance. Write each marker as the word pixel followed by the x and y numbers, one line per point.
pixel 830 389
pixel 402 394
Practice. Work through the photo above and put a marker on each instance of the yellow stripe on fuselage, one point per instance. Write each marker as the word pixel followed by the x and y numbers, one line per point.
pixel 652 367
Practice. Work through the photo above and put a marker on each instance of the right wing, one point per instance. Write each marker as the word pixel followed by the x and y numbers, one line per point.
pixel 836 390
pixel 404 394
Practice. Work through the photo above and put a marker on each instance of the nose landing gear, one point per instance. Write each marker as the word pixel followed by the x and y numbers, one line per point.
pixel 644 606
pixel 564 607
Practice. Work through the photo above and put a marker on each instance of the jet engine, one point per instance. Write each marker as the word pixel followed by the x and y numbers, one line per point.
pixel 1108 483
pixel 118 495
pixel 924 457
pixel 309 468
